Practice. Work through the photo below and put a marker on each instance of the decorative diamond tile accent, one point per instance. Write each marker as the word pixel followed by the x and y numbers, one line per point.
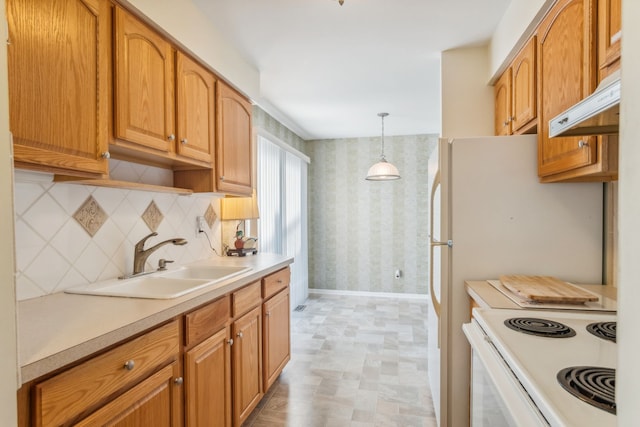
pixel 90 216
pixel 53 252
pixel 210 215
pixel 152 216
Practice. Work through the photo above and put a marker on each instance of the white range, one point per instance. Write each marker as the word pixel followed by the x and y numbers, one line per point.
pixel 522 379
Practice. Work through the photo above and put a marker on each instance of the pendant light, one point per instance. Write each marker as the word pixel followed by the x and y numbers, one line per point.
pixel 383 170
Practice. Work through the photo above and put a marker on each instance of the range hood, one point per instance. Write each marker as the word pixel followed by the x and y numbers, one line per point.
pixel 597 114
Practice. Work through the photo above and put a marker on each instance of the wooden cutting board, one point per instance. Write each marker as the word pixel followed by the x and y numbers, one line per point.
pixel 546 289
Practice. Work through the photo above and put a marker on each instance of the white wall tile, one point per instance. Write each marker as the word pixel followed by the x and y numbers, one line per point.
pixel 45 216
pixel 28 244
pixel 54 253
pixel 91 262
pixel 69 196
pixel 26 194
pixel 71 240
pixel 47 269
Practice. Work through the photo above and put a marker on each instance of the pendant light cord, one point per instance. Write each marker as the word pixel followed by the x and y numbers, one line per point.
pixel 382 116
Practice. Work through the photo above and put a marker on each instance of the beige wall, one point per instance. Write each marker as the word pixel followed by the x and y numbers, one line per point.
pixel 467 98
pixel 518 23
pixel 361 231
pixel 8 352
pixel 628 372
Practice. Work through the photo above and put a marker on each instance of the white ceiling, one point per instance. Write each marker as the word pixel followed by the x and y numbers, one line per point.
pixel 326 70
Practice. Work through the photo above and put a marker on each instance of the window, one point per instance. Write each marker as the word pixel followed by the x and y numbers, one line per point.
pixel 282 201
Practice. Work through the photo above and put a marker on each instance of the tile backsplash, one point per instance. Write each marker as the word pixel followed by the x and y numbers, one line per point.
pixel 69 235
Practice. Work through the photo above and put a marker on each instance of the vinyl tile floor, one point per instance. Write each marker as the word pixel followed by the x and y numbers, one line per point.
pixel 355 361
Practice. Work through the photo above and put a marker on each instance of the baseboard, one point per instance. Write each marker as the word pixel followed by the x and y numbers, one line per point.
pixel 369 294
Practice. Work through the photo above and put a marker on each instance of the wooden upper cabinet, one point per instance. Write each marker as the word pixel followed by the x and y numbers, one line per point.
pixel 58 84
pixel 609 36
pixel 523 89
pixel 144 102
pixel 502 101
pixel 234 142
pixel 566 71
pixel 195 109
pixel 515 94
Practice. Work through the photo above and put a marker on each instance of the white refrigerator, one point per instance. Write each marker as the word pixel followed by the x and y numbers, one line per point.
pixel 489 215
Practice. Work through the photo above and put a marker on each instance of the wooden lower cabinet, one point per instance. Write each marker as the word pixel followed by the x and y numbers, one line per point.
pixel 213 378
pixel 247 364
pixel 154 402
pixel 208 382
pixel 98 386
pixel 276 348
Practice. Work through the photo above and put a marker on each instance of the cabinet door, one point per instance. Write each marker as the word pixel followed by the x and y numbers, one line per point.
pixel 144 103
pixel 57 68
pixel 70 394
pixel 609 35
pixel 502 102
pixel 566 71
pixel 247 364
pixel 234 142
pixel 208 382
pixel 154 402
pixel 195 109
pixel 276 330
pixel 523 88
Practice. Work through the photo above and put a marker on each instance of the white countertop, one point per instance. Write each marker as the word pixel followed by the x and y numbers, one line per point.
pixel 61 328
pixel 487 296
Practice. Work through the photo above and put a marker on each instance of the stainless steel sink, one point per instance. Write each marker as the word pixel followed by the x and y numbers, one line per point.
pixel 162 285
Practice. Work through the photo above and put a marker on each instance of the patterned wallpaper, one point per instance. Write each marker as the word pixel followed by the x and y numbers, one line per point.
pixel 69 235
pixel 362 231
pixel 263 120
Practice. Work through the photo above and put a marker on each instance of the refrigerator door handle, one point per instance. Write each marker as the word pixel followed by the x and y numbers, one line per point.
pixel 434 301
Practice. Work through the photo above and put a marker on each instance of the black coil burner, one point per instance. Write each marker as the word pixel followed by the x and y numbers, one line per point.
pixel 540 327
pixel 594 385
pixel 604 330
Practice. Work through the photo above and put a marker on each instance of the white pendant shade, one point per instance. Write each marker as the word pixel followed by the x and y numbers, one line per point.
pixel 383 171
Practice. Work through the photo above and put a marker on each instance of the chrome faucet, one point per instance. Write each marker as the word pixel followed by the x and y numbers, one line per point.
pixel 141 254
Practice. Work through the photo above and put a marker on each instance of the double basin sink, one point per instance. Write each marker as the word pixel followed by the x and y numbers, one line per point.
pixel 162 285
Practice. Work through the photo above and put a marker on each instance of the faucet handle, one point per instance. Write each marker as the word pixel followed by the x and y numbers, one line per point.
pixel 140 244
pixel 162 264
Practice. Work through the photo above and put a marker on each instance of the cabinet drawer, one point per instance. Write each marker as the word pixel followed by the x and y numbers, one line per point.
pixel 273 283
pixel 80 389
pixel 207 320
pixel 246 298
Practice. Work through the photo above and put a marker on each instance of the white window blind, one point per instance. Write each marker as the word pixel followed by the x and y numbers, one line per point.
pixel 282 201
